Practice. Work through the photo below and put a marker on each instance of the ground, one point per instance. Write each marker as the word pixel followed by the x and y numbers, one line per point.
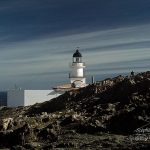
pixel 109 114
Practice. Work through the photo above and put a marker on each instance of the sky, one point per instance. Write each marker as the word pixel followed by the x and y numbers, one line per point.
pixel 39 37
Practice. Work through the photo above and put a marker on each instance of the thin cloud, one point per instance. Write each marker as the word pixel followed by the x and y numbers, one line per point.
pixel 36 45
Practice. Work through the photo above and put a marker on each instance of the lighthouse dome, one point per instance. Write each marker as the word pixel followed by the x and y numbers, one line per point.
pixel 77 54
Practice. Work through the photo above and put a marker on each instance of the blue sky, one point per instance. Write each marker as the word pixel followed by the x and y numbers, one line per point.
pixel 38 38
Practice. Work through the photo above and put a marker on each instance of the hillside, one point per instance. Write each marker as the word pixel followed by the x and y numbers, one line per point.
pixel 114 113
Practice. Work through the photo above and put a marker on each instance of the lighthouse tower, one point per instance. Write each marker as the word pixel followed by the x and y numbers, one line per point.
pixel 77 77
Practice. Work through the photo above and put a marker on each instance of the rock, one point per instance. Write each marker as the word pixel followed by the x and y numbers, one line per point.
pixel 46 119
pixel 47 134
pixel 65 145
pixel 14 137
pixel 7 123
pixel 67 120
pixel 18 147
pixel 87 118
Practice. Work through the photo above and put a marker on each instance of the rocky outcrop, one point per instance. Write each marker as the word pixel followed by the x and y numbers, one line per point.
pixel 95 113
pixel 6 123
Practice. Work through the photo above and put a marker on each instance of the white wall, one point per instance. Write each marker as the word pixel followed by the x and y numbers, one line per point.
pixel 15 98
pixel 37 96
pixel 77 69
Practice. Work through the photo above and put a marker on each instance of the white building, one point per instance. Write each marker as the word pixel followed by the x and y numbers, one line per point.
pixel 19 97
pixel 77 75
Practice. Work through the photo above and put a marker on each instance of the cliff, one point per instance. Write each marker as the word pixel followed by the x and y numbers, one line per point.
pixel 113 113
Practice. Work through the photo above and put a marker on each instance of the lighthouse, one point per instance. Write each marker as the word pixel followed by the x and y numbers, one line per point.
pixel 77 75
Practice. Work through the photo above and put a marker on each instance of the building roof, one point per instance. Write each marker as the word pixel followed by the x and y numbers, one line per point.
pixel 63 88
pixel 77 54
pixel 67 87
